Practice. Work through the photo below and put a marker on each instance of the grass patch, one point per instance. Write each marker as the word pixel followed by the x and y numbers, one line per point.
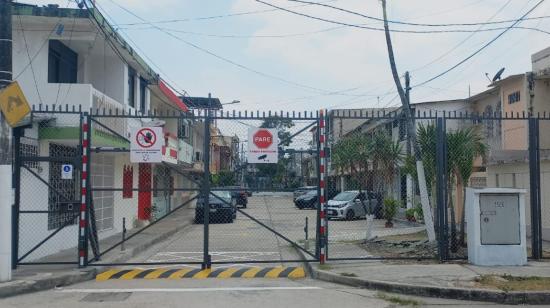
pixel 324 267
pixel 348 274
pixel 398 300
pixel 514 283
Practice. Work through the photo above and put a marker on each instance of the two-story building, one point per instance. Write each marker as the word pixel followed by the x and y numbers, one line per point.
pixel 75 58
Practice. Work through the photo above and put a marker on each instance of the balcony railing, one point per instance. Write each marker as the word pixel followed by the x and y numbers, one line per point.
pixel 101 102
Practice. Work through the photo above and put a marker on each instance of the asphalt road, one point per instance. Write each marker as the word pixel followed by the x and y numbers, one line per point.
pixel 227 293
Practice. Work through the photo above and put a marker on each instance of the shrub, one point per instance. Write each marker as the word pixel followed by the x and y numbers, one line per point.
pixel 390 209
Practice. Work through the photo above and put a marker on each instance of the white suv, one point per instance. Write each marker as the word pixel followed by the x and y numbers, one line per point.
pixel 351 204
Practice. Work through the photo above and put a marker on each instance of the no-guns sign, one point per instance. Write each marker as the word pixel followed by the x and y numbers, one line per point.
pixel 146 145
pixel 262 146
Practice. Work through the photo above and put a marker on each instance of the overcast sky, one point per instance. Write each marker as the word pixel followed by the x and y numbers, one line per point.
pixel 295 63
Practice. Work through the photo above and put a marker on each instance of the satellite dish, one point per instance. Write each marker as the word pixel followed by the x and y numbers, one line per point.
pixel 498 75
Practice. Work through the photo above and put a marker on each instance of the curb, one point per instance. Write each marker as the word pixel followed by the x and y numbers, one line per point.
pixel 19 287
pixel 500 297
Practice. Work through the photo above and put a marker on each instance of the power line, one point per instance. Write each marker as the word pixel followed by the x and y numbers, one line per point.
pixel 210 17
pixel 480 49
pixel 414 24
pixel 461 42
pixel 244 36
pixel 266 75
pixel 144 54
pixel 362 26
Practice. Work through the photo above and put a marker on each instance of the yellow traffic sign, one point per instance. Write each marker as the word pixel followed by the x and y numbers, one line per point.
pixel 13 104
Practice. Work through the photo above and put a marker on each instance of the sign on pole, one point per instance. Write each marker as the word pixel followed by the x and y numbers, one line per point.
pixel 262 146
pixel 146 145
pixel 13 104
pixel 66 172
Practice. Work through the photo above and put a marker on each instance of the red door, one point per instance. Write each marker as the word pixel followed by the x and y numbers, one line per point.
pixel 144 194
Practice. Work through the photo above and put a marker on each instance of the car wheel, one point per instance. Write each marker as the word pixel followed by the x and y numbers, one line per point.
pixel 350 215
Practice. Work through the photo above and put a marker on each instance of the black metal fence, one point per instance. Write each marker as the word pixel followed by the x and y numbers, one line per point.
pixel 391 193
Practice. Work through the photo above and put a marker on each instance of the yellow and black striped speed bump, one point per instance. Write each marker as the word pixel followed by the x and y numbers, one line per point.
pixel 182 273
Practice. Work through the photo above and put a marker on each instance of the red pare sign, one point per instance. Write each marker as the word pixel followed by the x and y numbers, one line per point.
pixel 263 139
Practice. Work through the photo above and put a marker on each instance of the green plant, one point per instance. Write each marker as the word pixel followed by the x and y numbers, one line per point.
pixel 409 213
pixel 419 214
pixel 390 209
pixel 398 300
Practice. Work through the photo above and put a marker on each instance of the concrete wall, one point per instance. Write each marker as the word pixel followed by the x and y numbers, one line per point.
pixel 516 175
pixel 514 133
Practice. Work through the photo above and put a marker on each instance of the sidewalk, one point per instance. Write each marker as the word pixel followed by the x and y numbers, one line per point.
pixel 32 278
pixel 452 280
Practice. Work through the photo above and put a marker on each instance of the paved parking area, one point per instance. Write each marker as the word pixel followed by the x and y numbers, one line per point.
pixel 246 240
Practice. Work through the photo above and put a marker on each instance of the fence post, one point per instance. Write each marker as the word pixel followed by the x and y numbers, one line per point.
pixel 441 193
pixel 535 197
pixel 85 193
pixel 16 183
pixel 207 261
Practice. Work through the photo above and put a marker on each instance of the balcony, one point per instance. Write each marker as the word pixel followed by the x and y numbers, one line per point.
pixel 66 126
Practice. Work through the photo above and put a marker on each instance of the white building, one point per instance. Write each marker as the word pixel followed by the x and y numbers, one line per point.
pixel 61 57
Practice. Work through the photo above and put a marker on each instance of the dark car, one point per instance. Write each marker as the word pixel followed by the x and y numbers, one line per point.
pixel 307 200
pixel 303 190
pixel 239 194
pixel 222 208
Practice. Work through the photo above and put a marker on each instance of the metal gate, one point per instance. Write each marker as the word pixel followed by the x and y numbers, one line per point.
pixel 110 211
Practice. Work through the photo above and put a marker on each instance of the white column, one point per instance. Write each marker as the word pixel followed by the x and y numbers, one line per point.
pixel 410 192
pixel 6 201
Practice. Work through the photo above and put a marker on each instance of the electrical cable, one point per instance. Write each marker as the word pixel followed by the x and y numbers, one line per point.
pixel 415 24
pixel 260 73
pixel 482 47
pixel 360 26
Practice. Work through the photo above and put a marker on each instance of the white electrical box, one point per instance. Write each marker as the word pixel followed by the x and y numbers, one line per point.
pixel 496 227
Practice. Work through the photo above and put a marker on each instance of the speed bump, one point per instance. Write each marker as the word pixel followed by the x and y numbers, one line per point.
pixel 221 273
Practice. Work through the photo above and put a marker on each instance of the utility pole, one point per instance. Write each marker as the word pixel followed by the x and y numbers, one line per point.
pixel 426 208
pixel 6 195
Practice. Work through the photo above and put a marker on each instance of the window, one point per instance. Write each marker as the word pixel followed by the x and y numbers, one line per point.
pixel 142 92
pixel 131 87
pixel 29 148
pixel 103 176
pixel 183 129
pixel 514 97
pixel 197 156
pixel 62 63
pixel 63 194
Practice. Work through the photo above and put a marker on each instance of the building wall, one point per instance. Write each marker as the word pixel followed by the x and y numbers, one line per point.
pixel 516 175
pixel 514 132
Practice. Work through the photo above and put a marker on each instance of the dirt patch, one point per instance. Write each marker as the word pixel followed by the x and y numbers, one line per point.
pixel 513 283
pixel 413 245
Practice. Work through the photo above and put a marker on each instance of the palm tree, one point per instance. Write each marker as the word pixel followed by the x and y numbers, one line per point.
pixel 469 145
pixel 388 156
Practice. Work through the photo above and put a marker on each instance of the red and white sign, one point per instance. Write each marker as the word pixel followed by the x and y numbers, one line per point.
pixel 146 145
pixel 262 146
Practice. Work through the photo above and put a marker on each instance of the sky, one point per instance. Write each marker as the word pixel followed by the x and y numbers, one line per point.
pixel 274 60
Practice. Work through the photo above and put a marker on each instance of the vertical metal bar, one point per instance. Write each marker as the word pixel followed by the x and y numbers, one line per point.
pixel 318 233
pixel 85 193
pixel 206 187
pixel 535 194
pixel 16 183
pixel 441 197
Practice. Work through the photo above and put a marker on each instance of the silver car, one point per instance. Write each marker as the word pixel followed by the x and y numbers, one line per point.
pixel 351 204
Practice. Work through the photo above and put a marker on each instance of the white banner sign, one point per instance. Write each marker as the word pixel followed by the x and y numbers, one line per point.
pixel 262 146
pixel 146 145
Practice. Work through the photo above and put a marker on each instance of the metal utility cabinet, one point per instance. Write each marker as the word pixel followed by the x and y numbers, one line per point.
pixel 496 226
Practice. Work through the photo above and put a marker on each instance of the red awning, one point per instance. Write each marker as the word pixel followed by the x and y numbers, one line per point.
pixel 172 96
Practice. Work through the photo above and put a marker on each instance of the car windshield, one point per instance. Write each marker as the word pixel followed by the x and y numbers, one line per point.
pixel 345 196
pixel 221 194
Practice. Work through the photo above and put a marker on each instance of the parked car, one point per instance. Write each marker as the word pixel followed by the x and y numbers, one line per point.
pixel 239 194
pixel 307 200
pixel 303 190
pixel 222 207
pixel 353 204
